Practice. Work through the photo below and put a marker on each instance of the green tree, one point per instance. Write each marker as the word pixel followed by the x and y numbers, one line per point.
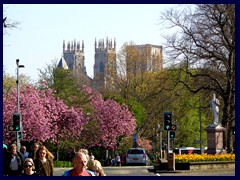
pixel 204 39
pixel 68 89
pixel 67 86
pixel 46 74
pixel 9 82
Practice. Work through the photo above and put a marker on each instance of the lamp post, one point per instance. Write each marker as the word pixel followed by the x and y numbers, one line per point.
pixel 200 119
pixel 18 100
pixel 160 139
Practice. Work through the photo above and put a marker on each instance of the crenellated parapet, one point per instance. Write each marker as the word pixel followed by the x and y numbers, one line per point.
pixel 102 45
pixel 72 47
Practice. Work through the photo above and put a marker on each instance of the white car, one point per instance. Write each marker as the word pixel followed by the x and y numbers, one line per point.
pixel 137 156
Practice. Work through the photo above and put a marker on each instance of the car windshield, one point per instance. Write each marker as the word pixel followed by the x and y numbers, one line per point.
pixel 135 151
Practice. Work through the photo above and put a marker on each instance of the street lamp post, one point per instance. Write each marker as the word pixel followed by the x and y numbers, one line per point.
pixel 160 139
pixel 200 119
pixel 18 100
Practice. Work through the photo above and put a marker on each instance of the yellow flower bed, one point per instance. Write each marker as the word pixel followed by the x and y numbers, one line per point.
pixel 204 157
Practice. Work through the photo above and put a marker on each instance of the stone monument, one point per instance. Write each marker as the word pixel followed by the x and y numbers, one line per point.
pixel 215 130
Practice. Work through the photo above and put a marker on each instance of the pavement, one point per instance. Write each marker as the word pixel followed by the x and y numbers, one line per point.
pixel 139 171
pixel 59 171
pixel 200 172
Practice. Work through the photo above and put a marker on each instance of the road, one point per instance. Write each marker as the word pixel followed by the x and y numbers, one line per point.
pixel 117 171
pixel 220 172
pixel 143 171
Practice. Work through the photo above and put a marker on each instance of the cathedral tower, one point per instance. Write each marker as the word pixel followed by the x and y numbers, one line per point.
pixel 73 58
pixel 105 64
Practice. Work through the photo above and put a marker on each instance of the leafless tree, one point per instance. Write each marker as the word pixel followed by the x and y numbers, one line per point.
pixel 203 47
pixel 8 23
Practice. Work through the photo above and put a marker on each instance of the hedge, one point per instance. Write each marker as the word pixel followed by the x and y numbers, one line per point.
pixel 62 164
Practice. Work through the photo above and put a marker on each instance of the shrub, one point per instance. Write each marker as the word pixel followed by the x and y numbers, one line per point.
pixel 62 164
pixel 204 157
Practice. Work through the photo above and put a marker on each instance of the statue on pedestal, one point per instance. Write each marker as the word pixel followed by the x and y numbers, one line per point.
pixel 214 103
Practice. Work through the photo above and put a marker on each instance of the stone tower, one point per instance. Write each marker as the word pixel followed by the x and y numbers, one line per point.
pixel 144 58
pixel 73 58
pixel 105 64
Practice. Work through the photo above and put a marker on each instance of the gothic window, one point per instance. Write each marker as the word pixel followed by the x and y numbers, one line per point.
pixel 101 67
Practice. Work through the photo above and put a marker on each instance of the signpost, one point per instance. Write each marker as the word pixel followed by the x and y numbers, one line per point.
pixel 198 142
pixel 18 108
pixel 171 128
pixel 135 140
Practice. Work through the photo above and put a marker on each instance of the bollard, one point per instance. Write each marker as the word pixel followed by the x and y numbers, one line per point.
pixel 171 161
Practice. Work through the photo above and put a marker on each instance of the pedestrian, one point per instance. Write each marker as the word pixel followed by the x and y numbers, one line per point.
pixel 14 162
pixel 96 167
pixel 28 167
pixel 164 148
pixel 24 152
pixel 44 162
pixel 118 160
pixel 5 156
pixel 91 158
pixel 85 151
pixel 113 162
pixel 34 148
pixel 79 161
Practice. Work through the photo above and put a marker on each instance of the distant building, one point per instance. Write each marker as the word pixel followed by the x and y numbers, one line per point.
pixel 73 58
pixel 139 59
pixel 144 58
pixel 105 64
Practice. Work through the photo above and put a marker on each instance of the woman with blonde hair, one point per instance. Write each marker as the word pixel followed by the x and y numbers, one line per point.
pixel 28 167
pixel 96 167
pixel 44 162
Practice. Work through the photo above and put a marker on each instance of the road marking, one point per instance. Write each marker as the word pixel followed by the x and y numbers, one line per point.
pixel 158 174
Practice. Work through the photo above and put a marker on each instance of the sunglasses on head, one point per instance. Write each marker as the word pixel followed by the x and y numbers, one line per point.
pixel 26 165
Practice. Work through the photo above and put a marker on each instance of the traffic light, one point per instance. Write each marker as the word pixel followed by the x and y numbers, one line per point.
pixel 16 118
pixel 167 119
pixel 173 127
pixel 172 134
pixel 10 128
pixel 233 130
pixel 19 134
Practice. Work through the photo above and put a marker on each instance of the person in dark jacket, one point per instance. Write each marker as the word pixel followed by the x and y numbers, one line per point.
pixel 14 162
pixel 5 156
pixel 44 162
pixel 33 152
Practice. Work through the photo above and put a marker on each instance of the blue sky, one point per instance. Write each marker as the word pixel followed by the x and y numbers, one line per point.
pixel 39 38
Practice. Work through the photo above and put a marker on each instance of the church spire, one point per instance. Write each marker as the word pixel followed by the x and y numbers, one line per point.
pixel 107 45
pixel 63 46
pixel 74 46
pixel 95 43
pixel 82 46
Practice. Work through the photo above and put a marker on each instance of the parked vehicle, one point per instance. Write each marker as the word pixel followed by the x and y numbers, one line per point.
pixel 189 150
pixel 137 156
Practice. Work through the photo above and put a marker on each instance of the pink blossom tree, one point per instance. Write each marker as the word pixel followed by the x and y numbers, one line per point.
pixel 111 120
pixel 44 117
